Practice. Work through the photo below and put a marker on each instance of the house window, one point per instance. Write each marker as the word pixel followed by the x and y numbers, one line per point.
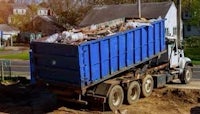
pixel 167 31
pixel 20 11
pixel 174 31
pixel 17 11
pixel 186 14
pixel 188 27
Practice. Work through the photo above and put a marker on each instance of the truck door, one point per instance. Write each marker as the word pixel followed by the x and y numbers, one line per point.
pixel 173 55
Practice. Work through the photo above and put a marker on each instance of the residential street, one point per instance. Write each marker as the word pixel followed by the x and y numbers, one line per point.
pixel 23 66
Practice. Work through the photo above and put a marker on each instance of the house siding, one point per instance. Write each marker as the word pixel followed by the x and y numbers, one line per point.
pixel 171 22
pixel 191 31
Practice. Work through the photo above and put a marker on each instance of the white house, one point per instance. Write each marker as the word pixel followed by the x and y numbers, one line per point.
pixel 20 9
pixel 7 32
pixel 166 10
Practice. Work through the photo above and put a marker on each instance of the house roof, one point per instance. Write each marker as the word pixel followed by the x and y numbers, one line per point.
pixel 43 8
pixel 47 25
pixel 49 19
pixel 20 6
pixel 105 13
pixel 7 28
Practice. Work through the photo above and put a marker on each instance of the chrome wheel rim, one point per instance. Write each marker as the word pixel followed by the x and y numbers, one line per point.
pixel 188 75
pixel 148 85
pixel 116 99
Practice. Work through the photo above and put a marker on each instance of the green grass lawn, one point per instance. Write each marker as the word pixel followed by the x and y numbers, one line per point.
pixel 194 62
pixel 24 55
pixel 1 49
pixel 194 54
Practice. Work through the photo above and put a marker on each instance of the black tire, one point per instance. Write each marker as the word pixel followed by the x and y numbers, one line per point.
pixel 147 86
pixel 116 97
pixel 133 92
pixel 187 74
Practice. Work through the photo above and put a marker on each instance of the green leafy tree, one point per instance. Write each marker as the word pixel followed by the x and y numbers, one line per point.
pixel 193 7
pixel 195 11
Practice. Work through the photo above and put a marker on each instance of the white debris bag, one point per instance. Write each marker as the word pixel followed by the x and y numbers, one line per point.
pixel 131 24
pixel 71 36
pixel 77 36
pixel 66 34
pixel 93 27
pixel 136 24
pixel 52 38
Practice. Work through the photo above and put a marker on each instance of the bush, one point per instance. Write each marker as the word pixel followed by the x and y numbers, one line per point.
pixel 192 47
pixel 192 42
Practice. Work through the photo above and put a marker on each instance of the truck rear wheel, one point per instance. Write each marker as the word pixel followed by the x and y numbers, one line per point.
pixel 133 93
pixel 116 97
pixel 147 86
pixel 187 74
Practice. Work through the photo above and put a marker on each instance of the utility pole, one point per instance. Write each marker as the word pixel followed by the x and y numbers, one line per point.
pixel 139 8
pixel 1 34
pixel 179 23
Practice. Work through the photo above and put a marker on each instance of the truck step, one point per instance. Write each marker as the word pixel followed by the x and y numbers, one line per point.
pixel 159 80
pixel 174 72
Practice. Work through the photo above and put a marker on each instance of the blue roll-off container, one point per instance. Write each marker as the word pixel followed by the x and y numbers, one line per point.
pixel 95 61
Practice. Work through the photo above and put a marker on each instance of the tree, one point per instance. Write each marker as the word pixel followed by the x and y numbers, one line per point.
pixel 5 9
pixel 193 8
pixel 1 21
pixel 109 2
pixel 73 15
pixel 32 10
pixel 195 11
pixel 20 21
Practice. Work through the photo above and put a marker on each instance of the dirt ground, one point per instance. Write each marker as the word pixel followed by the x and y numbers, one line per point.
pixel 17 99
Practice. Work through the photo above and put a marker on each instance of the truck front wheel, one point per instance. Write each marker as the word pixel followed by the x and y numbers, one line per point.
pixel 133 93
pixel 116 97
pixel 147 86
pixel 187 74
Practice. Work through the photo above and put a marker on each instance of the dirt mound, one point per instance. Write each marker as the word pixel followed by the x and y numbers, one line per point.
pixel 166 101
pixel 182 95
pixel 18 99
pixel 162 101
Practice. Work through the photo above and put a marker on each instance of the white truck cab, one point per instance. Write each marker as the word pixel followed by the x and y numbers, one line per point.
pixel 178 61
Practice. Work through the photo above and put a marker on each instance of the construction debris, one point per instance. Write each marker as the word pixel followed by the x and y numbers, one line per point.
pixel 78 36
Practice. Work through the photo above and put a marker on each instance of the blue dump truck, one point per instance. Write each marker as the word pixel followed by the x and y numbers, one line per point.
pixel 110 70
